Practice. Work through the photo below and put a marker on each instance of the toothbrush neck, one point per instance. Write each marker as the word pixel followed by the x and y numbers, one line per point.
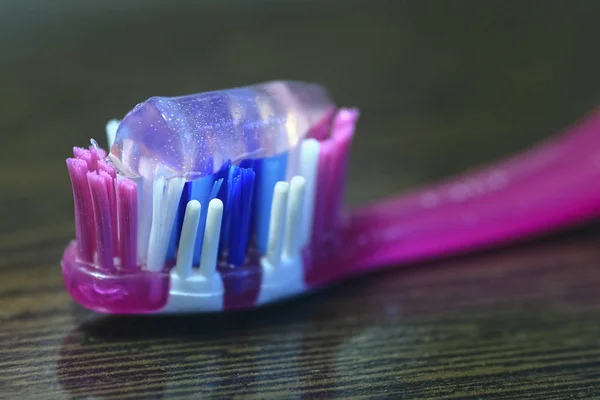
pixel 553 186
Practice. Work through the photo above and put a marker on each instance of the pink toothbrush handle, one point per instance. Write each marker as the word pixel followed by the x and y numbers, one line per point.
pixel 553 186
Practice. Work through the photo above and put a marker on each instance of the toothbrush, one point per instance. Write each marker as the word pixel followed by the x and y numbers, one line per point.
pixel 232 199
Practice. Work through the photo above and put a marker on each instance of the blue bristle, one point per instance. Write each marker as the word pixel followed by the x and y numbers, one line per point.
pixel 248 164
pixel 185 197
pixel 216 187
pixel 246 208
pixel 223 175
pixel 269 171
pixel 219 189
pixel 239 213
pixel 200 190
pixel 224 171
pixel 226 196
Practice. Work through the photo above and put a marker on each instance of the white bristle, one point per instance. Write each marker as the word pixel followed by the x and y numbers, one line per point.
pixel 210 244
pixel 157 216
pixel 94 144
pixel 294 210
pixel 185 252
pixel 309 162
pixel 145 199
pixel 277 223
pixel 164 209
pixel 111 131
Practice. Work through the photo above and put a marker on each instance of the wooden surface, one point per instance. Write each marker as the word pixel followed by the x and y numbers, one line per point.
pixel 442 86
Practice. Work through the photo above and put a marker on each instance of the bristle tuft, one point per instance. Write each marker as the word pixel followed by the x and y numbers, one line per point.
pixel 84 215
pixel 333 154
pixel 107 167
pixel 210 244
pixel 128 219
pixel 239 212
pixel 178 225
pixel 166 200
pixel 343 131
pixel 226 195
pixel 95 157
pixel 322 192
pixel 295 206
pixel 201 191
pixel 269 171
pixel 189 230
pixel 216 188
pixel 309 161
pixel 99 184
pixel 85 155
pixel 106 211
pixel 277 223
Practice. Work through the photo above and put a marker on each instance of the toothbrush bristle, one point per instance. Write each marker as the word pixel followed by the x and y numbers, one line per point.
pixel 106 217
pixel 178 224
pixel 239 213
pixel 189 230
pixel 269 171
pixel 277 223
pixel 322 191
pixel 166 196
pixel 103 165
pixel 309 160
pixel 100 182
pixel 322 130
pixel 216 188
pixel 295 207
pixel 210 244
pixel 198 190
pixel 333 154
pixel 127 219
pixel 226 196
pixel 83 154
pixel 342 133
pixel 95 157
pixel 108 169
pixel 84 217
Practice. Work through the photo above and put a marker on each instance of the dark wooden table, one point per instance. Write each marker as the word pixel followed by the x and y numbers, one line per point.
pixel 442 86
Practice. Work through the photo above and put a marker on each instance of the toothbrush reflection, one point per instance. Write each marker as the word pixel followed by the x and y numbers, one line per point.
pixel 393 333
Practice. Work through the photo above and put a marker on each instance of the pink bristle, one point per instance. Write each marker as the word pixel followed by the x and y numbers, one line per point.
pixel 105 166
pixel 84 216
pixel 85 155
pixel 101 153
pixel 110 170
pixel 343 131
pixel 128 216
pixel 95 157
pixel 332 163
pixel 322 193
pixel 100 183
pixel 322 130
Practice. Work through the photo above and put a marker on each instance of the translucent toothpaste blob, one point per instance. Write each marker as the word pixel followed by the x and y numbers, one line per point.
pixel 196 135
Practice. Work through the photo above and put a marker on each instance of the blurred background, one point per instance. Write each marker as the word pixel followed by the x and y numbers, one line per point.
pixel 442 86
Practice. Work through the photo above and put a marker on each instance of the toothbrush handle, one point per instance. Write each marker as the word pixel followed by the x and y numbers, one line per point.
pixel 553 186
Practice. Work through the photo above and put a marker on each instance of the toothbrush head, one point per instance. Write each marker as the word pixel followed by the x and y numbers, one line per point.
pixel 215 201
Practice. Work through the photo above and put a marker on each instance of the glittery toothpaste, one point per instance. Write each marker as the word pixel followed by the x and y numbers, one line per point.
pixel 196 135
